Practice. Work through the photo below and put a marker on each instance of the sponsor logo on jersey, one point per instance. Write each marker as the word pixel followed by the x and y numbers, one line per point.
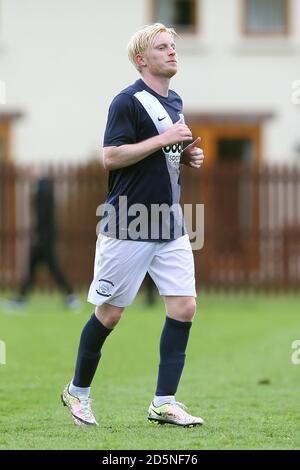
pixel 173 153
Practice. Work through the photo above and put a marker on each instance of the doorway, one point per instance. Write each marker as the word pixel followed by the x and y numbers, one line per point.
pixel 231 200
pixel 4 142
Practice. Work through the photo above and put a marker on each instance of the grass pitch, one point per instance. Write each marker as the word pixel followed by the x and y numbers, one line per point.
pixel 238 376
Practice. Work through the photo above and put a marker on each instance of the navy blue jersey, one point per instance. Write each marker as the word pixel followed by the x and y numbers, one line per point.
pixel 153 181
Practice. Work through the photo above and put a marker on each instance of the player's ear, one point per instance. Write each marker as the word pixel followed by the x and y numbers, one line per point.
pixel 140 60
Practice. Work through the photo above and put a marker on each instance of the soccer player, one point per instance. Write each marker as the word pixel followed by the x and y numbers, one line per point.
pixel 143 146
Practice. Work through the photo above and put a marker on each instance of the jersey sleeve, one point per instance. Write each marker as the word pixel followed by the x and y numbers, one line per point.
pixel 121 122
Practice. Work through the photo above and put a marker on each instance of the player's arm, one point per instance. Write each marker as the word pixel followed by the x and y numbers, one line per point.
pixel 115 157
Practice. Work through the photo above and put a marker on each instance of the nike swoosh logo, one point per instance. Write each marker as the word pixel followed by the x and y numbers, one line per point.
pixel 158 414
pixel 161 119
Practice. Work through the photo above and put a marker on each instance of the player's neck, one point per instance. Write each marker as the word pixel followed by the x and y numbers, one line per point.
pixel 158 84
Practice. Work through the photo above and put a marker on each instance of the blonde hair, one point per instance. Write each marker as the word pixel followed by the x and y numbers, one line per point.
pixel 144 38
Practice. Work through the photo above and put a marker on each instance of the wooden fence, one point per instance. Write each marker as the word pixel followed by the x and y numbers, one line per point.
pixel 78 191
pixel 251 230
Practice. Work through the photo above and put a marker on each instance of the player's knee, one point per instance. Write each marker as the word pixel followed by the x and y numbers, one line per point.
pixel 109 315
pixel 112 320
pixel 188 309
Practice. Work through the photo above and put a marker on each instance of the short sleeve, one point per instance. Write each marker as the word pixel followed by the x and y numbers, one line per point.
pixel 121 122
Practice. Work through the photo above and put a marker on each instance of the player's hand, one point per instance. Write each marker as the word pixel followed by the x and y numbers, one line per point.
pixel 179 132
pixel 193 156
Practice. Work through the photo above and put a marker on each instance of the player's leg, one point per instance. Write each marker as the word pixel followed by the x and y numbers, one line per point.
pixel 173 271
pixel 77 394
pixel 93 336
pixel 174 338
pixel 120 267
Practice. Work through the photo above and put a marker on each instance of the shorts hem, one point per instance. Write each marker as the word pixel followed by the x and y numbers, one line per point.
pixel 179 294
pixel 115 304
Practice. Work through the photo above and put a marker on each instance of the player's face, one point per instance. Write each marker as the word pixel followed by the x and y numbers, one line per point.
pixel 161 57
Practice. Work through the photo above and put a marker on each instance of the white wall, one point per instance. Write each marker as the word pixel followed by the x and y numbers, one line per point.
pixel 228 72
pixel 64 60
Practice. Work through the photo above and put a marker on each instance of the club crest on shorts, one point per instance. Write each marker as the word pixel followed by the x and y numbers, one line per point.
pixel 173 153
pixel 105 288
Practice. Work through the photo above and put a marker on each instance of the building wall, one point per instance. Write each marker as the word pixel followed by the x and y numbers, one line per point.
pixel 64 60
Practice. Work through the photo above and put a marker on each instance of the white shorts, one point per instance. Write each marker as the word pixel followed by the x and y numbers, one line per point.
pixel 121 265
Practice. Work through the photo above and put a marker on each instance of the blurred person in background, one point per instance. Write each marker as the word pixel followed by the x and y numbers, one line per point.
pixel 42 246
pixel 150 290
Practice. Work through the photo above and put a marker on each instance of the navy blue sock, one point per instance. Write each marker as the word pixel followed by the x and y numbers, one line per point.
pixel 89 352
pixel 173 344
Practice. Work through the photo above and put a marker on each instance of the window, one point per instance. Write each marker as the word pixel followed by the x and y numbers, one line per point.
pixel 266 16
pixel 180 14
